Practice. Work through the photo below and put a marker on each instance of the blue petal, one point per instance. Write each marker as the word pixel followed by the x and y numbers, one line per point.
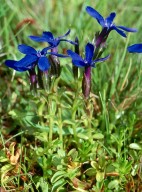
pixel 72 42
pixel 43 64
pixel 67 33
pixel 48 35
pixel 27 49
pixel 89 52
pixel 57 54
pixel 109 19
pixel 78 63
pixel 26 61
pixel 12 64
pixel 118 31
pixel 100 60
pixel 96 15
pixel 127 29
pixel 37 39
pixel 136 48
pixel 74 55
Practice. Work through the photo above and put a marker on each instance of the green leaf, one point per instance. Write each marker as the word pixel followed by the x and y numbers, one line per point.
pixel 135 170
pixel 100 176
pixel 57 176
pixel 90 172
pixel 94 164
pixel 43 185
pixel 3 159
pixel 42 136
pixel 135 146
pixel 98 136
pixel 113 184
pixel 58 185
pixel 4 170
pixel 83 136
pixel 73 153
pixel 56 160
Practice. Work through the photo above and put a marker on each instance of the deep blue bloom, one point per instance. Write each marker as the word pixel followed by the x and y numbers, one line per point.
pixel 53 42
pixel 32 58
pixel 88 61
pixel 107 23
pixel 48 37
pixel 136 48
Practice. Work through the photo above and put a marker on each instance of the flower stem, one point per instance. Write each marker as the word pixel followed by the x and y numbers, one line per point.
pixel 86 83
pixel 60 125
pixel 74 124
pixel 50 122
pixel 75 110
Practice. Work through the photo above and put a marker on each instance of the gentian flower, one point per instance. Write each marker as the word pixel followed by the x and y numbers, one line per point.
pixel 107 25
pixel 136 48
pixel 32 58
pixel 49 38
pixel 53 42
pixel 87 63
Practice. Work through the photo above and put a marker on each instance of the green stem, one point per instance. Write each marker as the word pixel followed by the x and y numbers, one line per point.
pixel 74 125
pixel 75 110
pixel 50 122
pixel 105 116
pixel 89 117
pixel 118 71
pixel 60 125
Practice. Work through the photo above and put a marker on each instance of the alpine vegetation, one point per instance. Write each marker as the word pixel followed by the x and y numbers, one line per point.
pixel 71 105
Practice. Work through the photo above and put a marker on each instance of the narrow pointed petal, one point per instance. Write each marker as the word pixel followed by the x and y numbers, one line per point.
pixel 99 60
pixel 96 15
pixel 109 19
pixel 27 49
pixel 72 42
pixel 48 35
pixel 127 29
pixel 119 31
pixel 136 48
pixel 74 55
pixel 78 63
pixel 57 54
pixel 37 39
pixel 26 61
pixel 89 52
pixel 12 64
pixel 43 64
pixel 67 33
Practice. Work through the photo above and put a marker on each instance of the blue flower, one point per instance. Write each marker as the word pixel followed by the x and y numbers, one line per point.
pixel 48 37
pixel 31 59
pixel 88 61
pixel 107 23
pixel 136 48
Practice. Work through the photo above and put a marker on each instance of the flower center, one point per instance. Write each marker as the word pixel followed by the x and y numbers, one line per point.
pixel 40 54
